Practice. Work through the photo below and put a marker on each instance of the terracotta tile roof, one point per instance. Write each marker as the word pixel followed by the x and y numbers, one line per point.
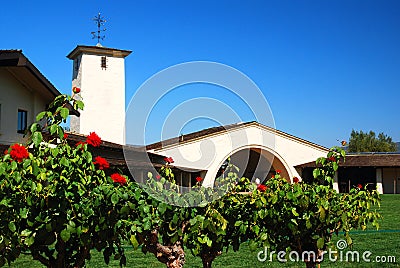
pixel 366 160
pixel 222 129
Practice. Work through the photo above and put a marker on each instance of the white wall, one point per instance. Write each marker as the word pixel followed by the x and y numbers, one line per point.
pixel 210 152
pixel 103 92
pixel 14 96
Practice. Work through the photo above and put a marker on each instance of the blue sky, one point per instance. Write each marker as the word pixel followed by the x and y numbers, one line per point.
pixel 325 67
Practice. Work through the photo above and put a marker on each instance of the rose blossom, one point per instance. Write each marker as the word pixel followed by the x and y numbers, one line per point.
pixel 93 139
pixel 261 187
pixel 118 178
pixel 19 152
pixel 101 162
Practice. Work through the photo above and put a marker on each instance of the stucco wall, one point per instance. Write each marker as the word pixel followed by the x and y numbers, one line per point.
pixel 13 96
pixel 103 92
pixel 210 152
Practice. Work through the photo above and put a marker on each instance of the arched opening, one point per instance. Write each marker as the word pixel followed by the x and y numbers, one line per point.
pixel 255 163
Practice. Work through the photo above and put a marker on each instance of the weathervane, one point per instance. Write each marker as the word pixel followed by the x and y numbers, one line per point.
pixel 99 20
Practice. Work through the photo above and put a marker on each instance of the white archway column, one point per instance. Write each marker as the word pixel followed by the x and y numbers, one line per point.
pixel 379 174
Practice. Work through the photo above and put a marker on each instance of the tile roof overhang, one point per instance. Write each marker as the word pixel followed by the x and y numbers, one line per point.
pixel 27 73
pixel 365 160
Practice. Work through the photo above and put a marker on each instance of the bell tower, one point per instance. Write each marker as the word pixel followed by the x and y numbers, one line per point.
pixel 100 74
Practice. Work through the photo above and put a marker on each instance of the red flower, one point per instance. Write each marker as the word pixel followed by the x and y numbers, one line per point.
pixel 158 177
pixel 296 180
pixel 65 136
pixel 76 90
pixel 169 160
pixel 93 139
pixel 332 158
pixel 18 152
pixel 101 162
pixel 278 171
pixel 359 186
pixel 5 152
pixel 199 179
pixel 261 187
pixel 117 178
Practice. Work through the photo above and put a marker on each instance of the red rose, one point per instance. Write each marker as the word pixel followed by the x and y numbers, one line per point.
pixel 169 160
pixel 296 180
pixel 332 159
pixel 18 152
pixel 93 139
pixel 5 152
pixel 199 179
pixel 261 187
pixel 117 178
pixel 65 136
pixel 158 177
pixel 278 171
pixel 359 186
pixel 76 90
pixel 101 162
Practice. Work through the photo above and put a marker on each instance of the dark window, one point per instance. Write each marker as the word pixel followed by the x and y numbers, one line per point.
pixel 22 121
pixel 104 62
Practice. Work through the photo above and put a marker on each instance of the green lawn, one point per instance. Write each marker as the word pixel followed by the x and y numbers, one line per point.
pixel 385 242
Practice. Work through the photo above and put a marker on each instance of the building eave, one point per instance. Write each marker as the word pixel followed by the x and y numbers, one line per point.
pixel 98 50
pixel 214 131
pixel 15 59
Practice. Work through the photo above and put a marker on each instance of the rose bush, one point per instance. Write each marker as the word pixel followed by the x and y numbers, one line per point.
pixel 56 202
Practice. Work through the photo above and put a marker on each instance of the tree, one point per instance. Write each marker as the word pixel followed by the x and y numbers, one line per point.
pixel 368 142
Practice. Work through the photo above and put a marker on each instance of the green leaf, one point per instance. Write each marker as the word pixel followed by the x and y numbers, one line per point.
pixel 79 104
pixel 34 127
pixel 2 168
pixel 40 116
pixel 320 242
pixel 295 212
pixel 316 172
pixel 335 166
pixel 53 129
pixel 65 235
pixel 64 113
pixel 54 152
pixel 23 213
pixel 114 198
pixel 12 227
pixel 37 138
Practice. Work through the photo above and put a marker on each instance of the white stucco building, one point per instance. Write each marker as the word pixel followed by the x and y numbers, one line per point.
pixel 24 92
pixel 256 149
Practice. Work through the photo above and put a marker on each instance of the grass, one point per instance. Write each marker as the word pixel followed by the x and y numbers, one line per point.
pixel 385 242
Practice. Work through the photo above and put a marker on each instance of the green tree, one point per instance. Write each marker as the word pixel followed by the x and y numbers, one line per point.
pixel 368 142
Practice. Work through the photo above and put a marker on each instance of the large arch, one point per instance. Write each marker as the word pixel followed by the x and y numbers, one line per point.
pixel 256 161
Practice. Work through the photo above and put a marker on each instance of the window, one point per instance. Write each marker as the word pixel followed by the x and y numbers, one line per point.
pixel 22 121
pixel 104 62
